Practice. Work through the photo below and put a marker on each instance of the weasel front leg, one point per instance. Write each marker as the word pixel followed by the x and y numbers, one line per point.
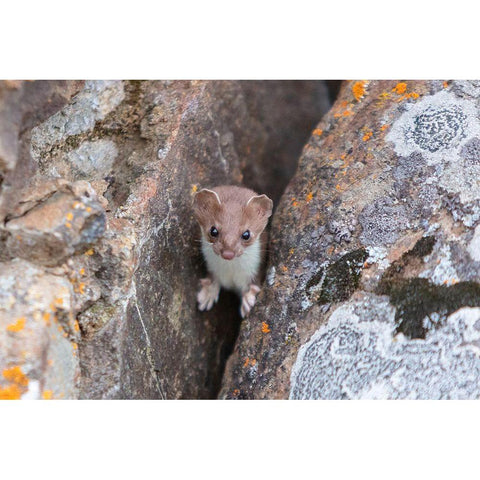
pixel 208 294
pixel 248 299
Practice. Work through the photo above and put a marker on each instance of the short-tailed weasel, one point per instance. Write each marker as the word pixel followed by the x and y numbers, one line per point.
pixel 232 221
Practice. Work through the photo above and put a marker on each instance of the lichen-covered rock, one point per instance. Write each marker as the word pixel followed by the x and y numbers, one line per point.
pixel 374 277
pixel 38 334
pixel 96 197
pixel 59 226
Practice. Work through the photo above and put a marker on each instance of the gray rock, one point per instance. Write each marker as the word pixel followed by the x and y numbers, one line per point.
pixel 400 322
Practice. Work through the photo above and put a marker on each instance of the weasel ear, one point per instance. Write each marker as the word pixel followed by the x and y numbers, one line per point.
pixel 261 205
pixel 206 202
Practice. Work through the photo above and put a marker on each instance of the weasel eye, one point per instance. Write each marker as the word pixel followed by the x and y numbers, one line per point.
pixel 246 234
pixel 214 232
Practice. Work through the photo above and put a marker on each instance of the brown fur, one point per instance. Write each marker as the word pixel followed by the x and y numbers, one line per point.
pixel 240 209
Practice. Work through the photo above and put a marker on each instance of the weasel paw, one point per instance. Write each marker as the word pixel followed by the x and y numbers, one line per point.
pixel 208 294
pixel 248 299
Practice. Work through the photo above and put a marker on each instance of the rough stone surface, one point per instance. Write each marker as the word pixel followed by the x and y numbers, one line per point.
pixel 57 227
pixel 23 105
pixel 98 253
pixel 373 287
pixel 359 347
pixel 38 333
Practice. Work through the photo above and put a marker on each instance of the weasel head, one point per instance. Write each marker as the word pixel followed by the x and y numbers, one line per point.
pixel 231 218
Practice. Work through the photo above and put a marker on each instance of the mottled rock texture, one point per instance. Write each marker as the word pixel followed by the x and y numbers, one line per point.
pixel 99 262
pixel 374 275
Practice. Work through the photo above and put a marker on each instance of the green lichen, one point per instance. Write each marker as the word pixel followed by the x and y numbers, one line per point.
pixel 417 298
pixel 337 282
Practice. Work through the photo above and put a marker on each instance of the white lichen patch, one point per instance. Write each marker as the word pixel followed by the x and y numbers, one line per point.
pixel 444 272
pixel 474 245
pixel 445 130
pixel 93 103
pixel 271 276
pixel 305 303
pixel 357 355
pixel 378 255
pixel 437 127
pixel 33 392
pixel 93 160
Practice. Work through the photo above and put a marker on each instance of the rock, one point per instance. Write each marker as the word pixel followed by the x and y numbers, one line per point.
pixel 38 334
pixel 23 105
pixel 98 197
pixel 57 227
pixel 384 303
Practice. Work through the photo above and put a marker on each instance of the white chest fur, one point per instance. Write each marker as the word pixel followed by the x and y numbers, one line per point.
pixel 236 274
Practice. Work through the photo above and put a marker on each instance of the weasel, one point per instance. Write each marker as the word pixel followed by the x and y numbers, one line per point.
pixel 232 222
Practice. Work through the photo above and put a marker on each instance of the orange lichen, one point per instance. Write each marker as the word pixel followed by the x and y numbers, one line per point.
pixel 81 288
pixel 309 197
pixel 408 95
pixel 400 88
pixel 15 375
pixel 88 209
pixel 46 318
pixel 68 224
pixel 358 90
pixel 383 97
pixel 384 127
pixel 194 189
pixel 236 392
pixel 285 268
pixel 342 110
pixel 367 136
pixel 445 84
pixel 250 362
pixel 89 252
pixel 12 392
pixel 47 395
pixel 75 346
pixel 318 131
pixel 294 202
pixel 18 325
pixel 70 216
pixel 82 271
pixel 291 251
pixel 59 301
pixel 76 326
pixel 265 327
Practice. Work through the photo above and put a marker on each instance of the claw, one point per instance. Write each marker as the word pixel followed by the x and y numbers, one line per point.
pixel 248 299
pixel 208 294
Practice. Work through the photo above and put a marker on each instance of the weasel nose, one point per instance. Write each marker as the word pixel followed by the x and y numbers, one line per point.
pixel 228 254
